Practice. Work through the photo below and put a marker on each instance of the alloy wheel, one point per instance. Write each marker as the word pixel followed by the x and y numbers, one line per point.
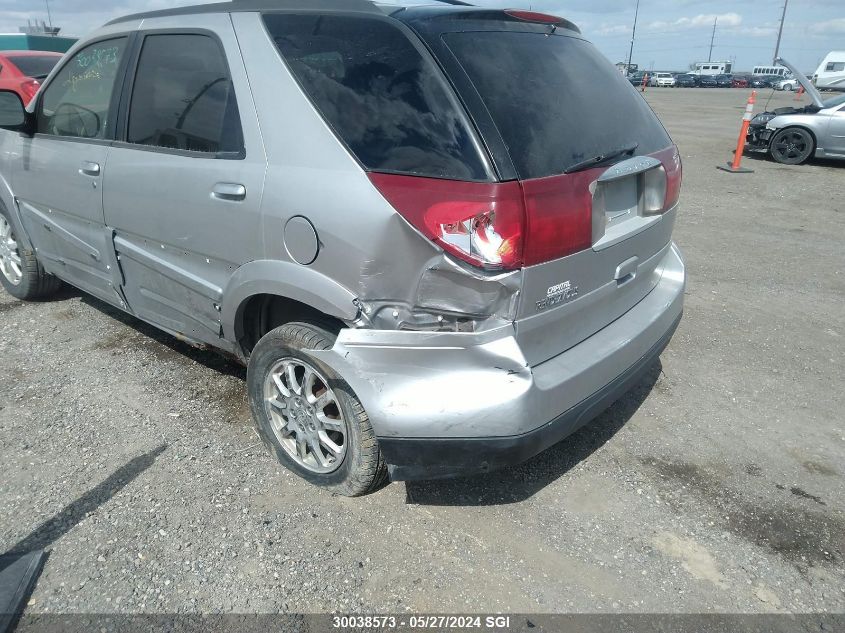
pixel 305 415
pixel 10 257
pixel 790 146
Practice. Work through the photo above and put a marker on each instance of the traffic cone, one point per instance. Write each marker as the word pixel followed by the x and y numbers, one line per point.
pixel 733 167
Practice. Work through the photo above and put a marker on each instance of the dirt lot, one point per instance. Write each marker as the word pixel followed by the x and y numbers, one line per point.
pixel 716 485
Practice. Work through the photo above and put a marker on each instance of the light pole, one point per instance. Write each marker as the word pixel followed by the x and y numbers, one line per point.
pixel 712 37
pixel 780 32
pixel 633 34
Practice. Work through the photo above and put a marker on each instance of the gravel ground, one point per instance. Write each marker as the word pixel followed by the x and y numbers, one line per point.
pixel 716 485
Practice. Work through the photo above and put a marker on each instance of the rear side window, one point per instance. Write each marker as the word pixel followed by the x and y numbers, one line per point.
pixel 555 99
pixel 386 102
pixel 37 66
pixel 183 97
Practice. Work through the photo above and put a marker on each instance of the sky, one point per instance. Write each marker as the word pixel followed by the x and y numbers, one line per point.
pixel 671 34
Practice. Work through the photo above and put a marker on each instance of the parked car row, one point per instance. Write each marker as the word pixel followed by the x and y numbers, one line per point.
pixel 692 80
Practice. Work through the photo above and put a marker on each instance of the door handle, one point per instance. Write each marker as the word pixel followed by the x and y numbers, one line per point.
pixel 229 191
pixel 89 169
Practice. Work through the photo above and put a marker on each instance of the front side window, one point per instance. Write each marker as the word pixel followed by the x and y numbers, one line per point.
pixel 387 102
pixel 183 97
pixel 78 100
pixel 835 66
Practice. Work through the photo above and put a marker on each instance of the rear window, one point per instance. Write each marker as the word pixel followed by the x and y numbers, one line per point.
pixel 34 65
pixel 555 99
pixel 388 103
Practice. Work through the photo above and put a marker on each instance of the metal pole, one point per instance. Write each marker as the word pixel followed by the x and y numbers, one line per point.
pixel 49 17
pixel 633 33
pixel 780 32
pixel 712 37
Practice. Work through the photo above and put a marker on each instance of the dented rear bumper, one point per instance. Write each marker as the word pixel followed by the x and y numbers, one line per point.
pixel 450 403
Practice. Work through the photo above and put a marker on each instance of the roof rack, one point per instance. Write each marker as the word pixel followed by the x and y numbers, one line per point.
pixel 237 6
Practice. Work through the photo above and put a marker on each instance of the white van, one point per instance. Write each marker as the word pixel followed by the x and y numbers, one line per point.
pixel 831 72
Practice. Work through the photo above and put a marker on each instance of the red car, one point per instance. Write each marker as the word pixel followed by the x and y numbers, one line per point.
pixel 739 82
pixel 23 71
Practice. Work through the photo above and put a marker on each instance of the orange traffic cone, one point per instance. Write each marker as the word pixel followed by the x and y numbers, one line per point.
pixel 734 167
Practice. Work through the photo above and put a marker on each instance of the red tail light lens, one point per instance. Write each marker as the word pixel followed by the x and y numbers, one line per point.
pixel 533 16
pixel 674 176
pixel 29 88
pixel 481 223
pixel 559 211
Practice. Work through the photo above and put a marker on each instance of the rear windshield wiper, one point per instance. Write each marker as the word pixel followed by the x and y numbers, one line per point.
pixel 601 159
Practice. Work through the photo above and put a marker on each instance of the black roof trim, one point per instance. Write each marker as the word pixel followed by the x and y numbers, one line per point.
pixel 237 6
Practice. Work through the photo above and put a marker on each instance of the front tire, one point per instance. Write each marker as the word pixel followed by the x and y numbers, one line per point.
pixel 20 273
pixel 308 416
pixel 792 146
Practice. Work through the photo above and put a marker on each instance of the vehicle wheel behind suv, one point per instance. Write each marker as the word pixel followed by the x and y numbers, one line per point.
pixel 308 416
pixel 792 146
pixel 20 273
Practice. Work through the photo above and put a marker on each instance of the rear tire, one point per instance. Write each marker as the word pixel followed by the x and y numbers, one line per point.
pixel 792 146
pixel 331 445
pixel 20 273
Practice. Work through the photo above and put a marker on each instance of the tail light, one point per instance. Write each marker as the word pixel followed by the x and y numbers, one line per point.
pixel 559 211
pixel 662 185
pixel 29 88
pixel 674 176
pixel 480 223
pixel 508 225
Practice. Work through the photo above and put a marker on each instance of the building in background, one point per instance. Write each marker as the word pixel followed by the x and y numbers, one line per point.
pixel 27 42
pixel 36 36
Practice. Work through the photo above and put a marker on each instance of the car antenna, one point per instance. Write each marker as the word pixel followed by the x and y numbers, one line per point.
pixel 771 94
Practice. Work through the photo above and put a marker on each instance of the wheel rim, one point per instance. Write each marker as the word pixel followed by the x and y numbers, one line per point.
pixel 791 145
pixel 305 415
pixel 10 257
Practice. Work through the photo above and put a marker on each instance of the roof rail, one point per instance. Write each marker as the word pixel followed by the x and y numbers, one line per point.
pixel 236 6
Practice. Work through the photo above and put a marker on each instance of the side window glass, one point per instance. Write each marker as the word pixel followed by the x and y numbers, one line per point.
pixel 385 100
pixel 77 102
pixel 183 96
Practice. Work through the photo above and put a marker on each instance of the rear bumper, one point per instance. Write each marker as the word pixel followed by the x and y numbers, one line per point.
pixel 445 404
pixel 432 458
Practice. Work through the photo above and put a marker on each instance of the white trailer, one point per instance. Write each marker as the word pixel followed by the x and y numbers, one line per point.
pixel 712 68
pixel 831 72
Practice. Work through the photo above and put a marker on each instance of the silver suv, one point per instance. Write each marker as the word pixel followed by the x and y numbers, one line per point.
pixel 438 236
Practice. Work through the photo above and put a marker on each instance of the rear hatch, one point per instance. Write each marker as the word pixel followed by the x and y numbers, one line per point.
pixel 516 146
pixel 598 172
